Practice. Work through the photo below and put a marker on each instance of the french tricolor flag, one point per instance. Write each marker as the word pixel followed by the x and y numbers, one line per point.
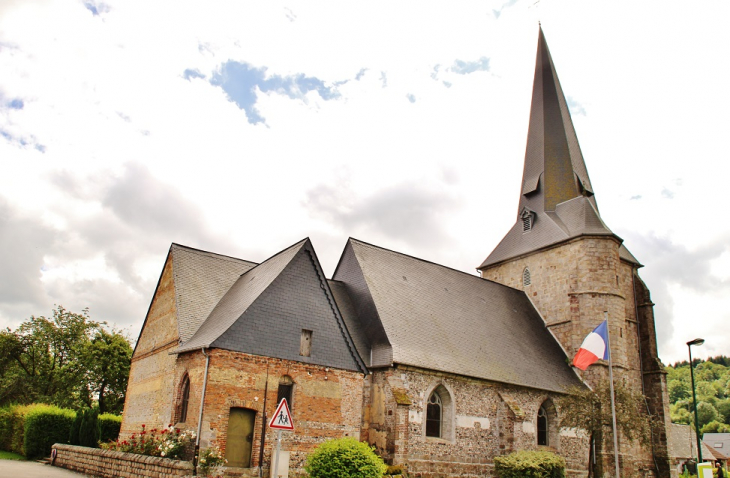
pixel 595 346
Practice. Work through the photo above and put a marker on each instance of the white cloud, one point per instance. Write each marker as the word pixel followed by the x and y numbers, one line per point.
pixel 136 156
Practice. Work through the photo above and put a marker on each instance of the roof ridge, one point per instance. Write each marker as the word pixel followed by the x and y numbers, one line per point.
pixel 215 255
pixel 432 263
pixel 346 334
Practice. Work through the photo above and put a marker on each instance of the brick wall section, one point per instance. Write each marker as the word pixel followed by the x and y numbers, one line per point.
pixel 488 419
pixel 572 284
pixel 115 464
pixel 150 388
pixel 327 402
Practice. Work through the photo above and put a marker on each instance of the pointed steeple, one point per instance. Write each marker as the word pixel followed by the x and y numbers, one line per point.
pixel 554 168
pixel 556 200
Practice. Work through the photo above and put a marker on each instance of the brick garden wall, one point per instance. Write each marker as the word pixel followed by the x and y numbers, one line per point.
pixel 115 464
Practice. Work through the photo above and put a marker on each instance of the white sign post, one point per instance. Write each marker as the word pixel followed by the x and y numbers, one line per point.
pixel 280 421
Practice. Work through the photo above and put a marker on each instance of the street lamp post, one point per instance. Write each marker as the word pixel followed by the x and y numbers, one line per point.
pixel 694 396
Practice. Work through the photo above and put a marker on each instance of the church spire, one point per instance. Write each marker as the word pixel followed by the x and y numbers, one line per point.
pixel 556 199
pixel 554 168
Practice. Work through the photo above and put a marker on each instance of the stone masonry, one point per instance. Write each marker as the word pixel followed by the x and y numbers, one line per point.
pixel 482 420
pixel 572 284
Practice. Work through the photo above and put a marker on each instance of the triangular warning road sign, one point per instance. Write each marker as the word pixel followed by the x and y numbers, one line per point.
pixel 282 417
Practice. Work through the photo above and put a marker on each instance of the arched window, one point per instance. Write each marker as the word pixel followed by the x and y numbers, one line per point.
pixel 286 390
pixel 439 413
pixel 542 427
pixel 434 416
pixel 547 425
pixel 526 278
pixel 184 399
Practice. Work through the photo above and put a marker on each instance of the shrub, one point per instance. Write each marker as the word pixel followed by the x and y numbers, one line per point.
pixel 167 443
pixel 109 426
pixel 8 417
pixel 73 436
pixel 210 460
pixel 45 425
pixel 530 464
pixel 89 428
pixel 344 457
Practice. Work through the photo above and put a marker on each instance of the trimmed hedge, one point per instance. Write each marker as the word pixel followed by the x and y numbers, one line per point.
pixel 109 426
pixel 530 464
pixel 45 425
pixel 11 429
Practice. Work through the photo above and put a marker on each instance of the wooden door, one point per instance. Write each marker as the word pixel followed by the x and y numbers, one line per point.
pixel 240 437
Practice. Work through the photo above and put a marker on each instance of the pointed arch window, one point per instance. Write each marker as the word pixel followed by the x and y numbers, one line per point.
pixel 434 416
pixel 439 413
pixel 547 425
pixel 543 436
pixel 526 277
pixel 184 400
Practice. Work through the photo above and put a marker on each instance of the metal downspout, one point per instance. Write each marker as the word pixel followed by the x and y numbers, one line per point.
pixel 200 414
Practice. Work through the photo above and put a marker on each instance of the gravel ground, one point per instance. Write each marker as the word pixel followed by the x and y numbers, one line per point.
pixel 32 469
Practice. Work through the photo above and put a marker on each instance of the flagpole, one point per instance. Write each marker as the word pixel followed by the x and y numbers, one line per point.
pixel 613 402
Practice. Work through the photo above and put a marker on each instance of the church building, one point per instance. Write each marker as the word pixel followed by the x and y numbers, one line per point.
pixel 440 370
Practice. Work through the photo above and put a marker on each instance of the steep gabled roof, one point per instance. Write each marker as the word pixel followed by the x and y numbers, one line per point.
pixel 265 311
pixel 556 189
pixel 238 298
pixel 426 315
pixel 201 279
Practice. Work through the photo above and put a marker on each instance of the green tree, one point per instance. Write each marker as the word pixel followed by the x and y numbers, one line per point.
pixel 107 358
pixel 66 360
pixel 706 413
pixel 678 390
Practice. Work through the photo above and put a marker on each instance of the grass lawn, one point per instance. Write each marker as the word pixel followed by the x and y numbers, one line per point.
pixel 7 455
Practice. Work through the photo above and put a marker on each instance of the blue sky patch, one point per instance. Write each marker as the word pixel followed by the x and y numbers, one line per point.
pixel 96 8
pixel 16 104
pixel 240 81
pixel 190 74
pixel 575 107
pixel 462 67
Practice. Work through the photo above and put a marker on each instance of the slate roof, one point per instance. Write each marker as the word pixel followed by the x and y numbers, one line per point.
pixel 437 318
pixel 238 298
pixel 265 311
pixel 719 443
pixel 201 278
pixel 682 443
pixel 556 189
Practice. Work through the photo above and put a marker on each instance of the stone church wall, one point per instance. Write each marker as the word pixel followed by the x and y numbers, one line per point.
pixel 149 390
pixel 572 284
pixel 483 420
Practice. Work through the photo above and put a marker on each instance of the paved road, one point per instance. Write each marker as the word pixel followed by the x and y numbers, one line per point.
pixel 32 469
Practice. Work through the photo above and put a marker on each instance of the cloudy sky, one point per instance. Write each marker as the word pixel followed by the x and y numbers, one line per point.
pixel 242 127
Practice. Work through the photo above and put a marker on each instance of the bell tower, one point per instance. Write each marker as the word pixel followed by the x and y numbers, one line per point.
pixel 574 268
